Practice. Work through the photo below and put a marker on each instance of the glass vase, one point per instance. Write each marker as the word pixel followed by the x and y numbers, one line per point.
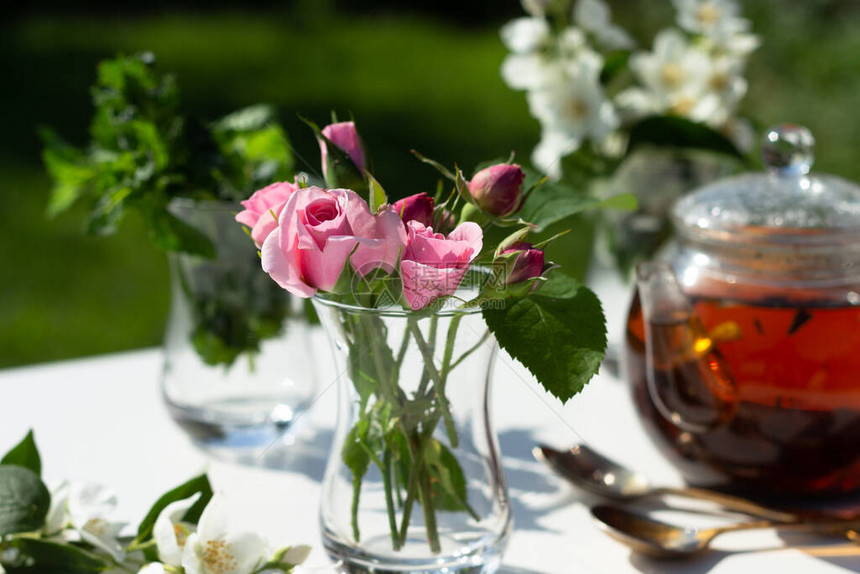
pixel 414 481
pixel 237 370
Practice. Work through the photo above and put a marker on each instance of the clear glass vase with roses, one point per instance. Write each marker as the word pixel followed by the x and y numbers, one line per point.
pixel 415 295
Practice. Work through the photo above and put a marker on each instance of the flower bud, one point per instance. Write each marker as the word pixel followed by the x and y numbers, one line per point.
pixel 524 263
pixel 336 170
pixel 496 189
pixel 418 207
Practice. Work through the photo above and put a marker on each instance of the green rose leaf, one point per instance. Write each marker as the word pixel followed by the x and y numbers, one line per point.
pixel 671 131
pixel 25 454
pixel 558 333
pixel 554 202
pixel 24 500
pixel 31 556
pixel 357 459
pixel 197 484
pixel 449 486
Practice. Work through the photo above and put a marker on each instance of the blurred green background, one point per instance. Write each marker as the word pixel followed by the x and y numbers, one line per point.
pixel 424 78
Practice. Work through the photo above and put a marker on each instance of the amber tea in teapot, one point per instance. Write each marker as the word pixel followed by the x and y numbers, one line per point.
pixel 743 345
pixel 782 411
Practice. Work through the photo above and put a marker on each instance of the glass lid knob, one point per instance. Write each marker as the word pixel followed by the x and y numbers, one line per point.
pixel 788 150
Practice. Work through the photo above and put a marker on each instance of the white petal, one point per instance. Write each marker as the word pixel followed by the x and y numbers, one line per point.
pixel 248 550
pixel 549 151
pixel 58 514
pixel 88 501
pixel 637 103
pixel 615 38
pixel 536 8
pixel 214 521
pixel 103 535
pixel 670 45
pixel 593 15
pixel 296 554
pixel 572 40
pixel 525 35
pixel 525 71
pixel 152 568
pixel 191 561
pixel 169 544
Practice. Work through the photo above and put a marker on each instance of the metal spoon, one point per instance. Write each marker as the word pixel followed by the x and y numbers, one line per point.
pixel 649 536
pixel 601 476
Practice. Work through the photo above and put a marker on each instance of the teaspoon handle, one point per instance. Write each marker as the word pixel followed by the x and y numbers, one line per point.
pixel 730 502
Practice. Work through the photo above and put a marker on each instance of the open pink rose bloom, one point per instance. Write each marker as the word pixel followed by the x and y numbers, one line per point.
pixel 433 265
pixel 319 230
pixel 263 208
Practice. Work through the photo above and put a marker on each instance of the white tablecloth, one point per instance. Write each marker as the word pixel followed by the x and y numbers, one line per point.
pixel 102 420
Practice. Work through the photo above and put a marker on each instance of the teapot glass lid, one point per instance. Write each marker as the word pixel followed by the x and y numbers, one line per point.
pixel 785 204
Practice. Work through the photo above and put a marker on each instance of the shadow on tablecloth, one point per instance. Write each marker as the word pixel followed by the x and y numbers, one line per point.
pixel 535 492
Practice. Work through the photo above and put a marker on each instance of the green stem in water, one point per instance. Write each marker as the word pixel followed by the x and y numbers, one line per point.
pixel 474 348
pixel 356 494
pixel 425 494
pixel 443 377
pixel 389 500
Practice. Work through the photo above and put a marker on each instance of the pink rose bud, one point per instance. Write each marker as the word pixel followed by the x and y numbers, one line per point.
pixel 496 189
pixel 263 208
pixel 433 265
pixel 418 207
pixel 527 264
pixel 345 136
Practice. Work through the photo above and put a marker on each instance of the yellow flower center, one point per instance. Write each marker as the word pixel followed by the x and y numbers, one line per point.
pixel 672 74
pixel 181 532
pixel 683 106
pixel 719 81
pixel 708 14
pixel 217 557
pixel 97 526
pixel 577 109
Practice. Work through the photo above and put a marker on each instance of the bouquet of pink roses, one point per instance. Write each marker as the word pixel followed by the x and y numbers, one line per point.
pixel 433 260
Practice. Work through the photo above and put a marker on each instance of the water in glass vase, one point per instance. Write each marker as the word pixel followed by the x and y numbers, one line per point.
pixel 414 482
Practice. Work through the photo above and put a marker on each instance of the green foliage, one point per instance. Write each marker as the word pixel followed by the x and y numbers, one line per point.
pixel 143 153
pixel 25 454
pixel 198 484
pixel 24 500
pixel 33 556
pixel 558 333
pixel 671 131
pixel 449 486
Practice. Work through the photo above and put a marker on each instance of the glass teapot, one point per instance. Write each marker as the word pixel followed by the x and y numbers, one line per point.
pixel 743 345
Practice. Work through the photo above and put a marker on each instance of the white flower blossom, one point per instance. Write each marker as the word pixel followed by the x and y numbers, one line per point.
pixel 675 78
pixel 90 505
pixel 719 21
pixel 571 109
pixel 528 64
pixel 213 549
pixel 594 16
pixel 153 568
pixel 171 533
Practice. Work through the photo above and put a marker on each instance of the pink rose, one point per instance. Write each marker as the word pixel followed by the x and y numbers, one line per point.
pixel 261 205
pixel 318 230
pixel 418 207
pixel 345 136
pixel 527 264
pixel 496 189
pixel 434 265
